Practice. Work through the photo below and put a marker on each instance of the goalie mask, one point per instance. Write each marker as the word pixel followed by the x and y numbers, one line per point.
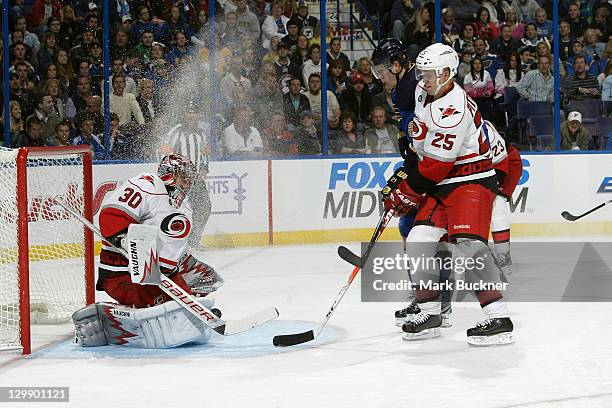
pixel 178 173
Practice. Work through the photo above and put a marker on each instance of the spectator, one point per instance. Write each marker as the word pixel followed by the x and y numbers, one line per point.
pixel 40 13
pixel 29 39
pixel 272 54
pixel 527 59
pixel 537 85
pixel 49 73
pixel 17 94
pixel 350 141
pixel 450 29
pixel 277 140
pixel 517 27
pixel 62 133
pixel 122 43
pixel 32 136
pixel 602 23
pixel 505 44
pixel 573 135
pixel 45 113
pixel 497 10
pixel 525 9
pixel 334 53
pixel 15 122
pixel 87 137
pixel 26 79
pixel 118 68
pixel 20 56
pixel 181 53
pixel 234 87
pixel 307 136
pixel 606 84
pixel 231 33
pixel 336 77
pixel 530 39
pixel 401 12
pixel 314 98
pixel 177 23
pixel 306 24
pixel 144 46
pixel 124 103
pixel 247 19
pixel 157 53
pixel 284 69
pixel 418 32
pixel 595 50
pixel 510 75
pixel 148 103
pixel 240 139
pixel 479 86
pixel 274 25
pixel 70 28
pixel 466 39
pixel 578 51
pixel 291 38
pixel 77 102
pixel 488 60
pixel 120 146
pixel 96 65
pixel 294 103
pixel 382 137
pixel 357 99
pixel 65 72
pixel 582 85
pixel 46 51
pixel 485 28
pixel 578 24
pixel 266 93
pixel 95 112
pixel 543 24
pixel 565 40
pixel 159 28
pixel 53 88
pixel 300 55
pixel 465 10
pixel 313 65
pixel 80 52
pixel 465 64
pixel 364 68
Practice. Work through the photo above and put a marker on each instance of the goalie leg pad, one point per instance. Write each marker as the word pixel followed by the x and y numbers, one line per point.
pixel 163 326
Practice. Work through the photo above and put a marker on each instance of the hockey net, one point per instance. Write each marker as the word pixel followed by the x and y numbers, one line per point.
pixel 46 256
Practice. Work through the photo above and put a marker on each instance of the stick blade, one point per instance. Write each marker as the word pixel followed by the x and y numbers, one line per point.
pixel 285 340
pixel 349 256
pixel 249 322
pixel 568 216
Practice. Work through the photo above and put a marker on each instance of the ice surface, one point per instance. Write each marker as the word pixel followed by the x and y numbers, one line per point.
pixel 562 356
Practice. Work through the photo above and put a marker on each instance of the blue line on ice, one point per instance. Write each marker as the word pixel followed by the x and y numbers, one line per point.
pixel 254 343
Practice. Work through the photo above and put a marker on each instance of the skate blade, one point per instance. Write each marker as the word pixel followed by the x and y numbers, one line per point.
pixel 495 340
pixel 446 321
pixel 425 334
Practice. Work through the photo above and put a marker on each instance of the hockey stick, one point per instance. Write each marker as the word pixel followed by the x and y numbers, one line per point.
pixel 285 340
pixel 354 259
pixel 186 300
pixel 571 217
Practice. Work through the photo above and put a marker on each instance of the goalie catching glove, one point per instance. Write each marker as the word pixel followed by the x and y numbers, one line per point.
pixel 399 196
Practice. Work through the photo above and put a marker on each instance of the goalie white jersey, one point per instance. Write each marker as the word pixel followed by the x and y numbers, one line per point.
pixel 144 200
pixel 448 140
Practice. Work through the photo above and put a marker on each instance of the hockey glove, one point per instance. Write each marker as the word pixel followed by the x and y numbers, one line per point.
pixel 403 199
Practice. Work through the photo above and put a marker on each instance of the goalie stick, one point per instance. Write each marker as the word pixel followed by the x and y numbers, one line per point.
pixel 571 217
pixel 186 300
pixel 285 340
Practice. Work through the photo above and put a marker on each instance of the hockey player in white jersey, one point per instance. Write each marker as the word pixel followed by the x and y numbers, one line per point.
pixel 453 187
pixel 145 316
pixel 509 168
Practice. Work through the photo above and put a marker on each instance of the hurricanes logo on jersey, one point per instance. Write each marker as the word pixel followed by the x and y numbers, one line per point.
pixel 147 178
pixel 176 226
pixel 450 111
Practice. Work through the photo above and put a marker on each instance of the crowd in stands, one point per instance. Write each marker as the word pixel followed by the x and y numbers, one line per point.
pixel 269 82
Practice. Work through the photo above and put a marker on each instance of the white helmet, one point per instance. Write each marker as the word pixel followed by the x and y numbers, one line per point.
pixel 436 57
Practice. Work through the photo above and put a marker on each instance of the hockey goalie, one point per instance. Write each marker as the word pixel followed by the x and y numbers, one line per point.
pixel 144 316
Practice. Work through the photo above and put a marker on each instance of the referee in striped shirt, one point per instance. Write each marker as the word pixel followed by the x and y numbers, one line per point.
pixel 191 139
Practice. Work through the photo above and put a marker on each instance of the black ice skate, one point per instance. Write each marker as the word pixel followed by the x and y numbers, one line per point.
pixel 491 332
pixel 402 315
pixel 422 326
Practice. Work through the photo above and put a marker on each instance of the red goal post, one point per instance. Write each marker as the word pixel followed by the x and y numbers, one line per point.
pixel 46 256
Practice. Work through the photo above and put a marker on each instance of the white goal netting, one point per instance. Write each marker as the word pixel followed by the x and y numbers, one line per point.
pixel 57 283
